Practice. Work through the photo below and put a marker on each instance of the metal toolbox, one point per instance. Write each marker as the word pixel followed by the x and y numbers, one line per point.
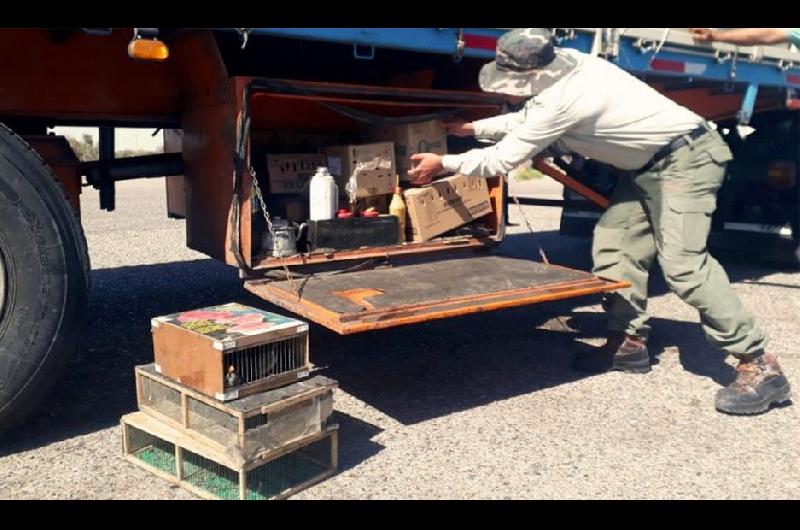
pixel 352 233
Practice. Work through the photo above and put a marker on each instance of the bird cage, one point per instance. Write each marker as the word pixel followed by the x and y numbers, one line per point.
pixel 245 427
pixel 171 454
pixel 230 351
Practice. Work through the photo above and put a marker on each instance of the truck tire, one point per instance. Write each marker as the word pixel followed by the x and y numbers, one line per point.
pixel 44 279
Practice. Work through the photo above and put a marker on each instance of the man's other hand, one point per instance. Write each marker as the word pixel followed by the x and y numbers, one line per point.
pixel 426 166
pixel 702 34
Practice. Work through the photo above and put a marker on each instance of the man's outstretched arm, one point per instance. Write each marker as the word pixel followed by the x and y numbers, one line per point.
pixel 544 124
pixel 743 36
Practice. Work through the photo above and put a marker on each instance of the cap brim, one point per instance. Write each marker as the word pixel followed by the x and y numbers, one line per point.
pixel 529 82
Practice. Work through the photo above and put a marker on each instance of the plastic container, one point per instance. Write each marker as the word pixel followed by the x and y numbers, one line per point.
pixel 323 196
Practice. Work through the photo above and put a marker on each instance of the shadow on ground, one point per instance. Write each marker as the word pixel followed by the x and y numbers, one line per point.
pixel 412 373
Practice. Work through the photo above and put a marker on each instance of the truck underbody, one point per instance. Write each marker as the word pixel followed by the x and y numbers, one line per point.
pixel 231 105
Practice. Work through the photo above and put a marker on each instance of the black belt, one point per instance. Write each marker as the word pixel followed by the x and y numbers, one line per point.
pixel 673 146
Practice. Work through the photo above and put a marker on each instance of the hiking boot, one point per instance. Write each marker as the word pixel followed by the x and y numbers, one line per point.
pixel 759 384
pixel 632 356
pixel 626 353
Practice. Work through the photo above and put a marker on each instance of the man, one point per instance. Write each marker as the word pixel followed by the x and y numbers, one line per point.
pixel 748 36
pixel 673 163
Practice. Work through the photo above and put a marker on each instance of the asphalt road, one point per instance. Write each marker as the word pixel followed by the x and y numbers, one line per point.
pixel 483 406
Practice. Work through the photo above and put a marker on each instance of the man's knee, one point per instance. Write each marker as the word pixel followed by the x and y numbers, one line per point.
pixel 607 247
pixel 685 273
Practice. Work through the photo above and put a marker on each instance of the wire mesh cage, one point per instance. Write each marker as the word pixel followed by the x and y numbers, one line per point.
pixel 159 397
pixel 231 351
pixel 295 421
pixel 218 480
pixel 212 474
pixel 266 360
pixel 150 449
pixel 218 425
pixel 286 472
pixel 245 427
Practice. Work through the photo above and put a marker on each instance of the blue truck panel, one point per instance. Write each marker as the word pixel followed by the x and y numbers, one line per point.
pixel 430 40
pixel 479 43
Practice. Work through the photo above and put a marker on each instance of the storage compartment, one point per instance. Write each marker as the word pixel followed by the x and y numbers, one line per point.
pixel 360 132
pixel 375 285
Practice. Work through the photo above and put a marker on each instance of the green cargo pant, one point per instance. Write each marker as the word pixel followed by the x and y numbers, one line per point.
pixel 666 212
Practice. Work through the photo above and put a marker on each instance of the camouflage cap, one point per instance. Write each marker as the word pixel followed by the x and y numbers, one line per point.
pixel 527 62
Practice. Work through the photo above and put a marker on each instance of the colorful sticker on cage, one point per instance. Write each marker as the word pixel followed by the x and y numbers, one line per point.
pixel 229 321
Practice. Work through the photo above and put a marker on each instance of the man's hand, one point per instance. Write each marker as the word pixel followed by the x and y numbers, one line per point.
pixel 426 166
pixel 702 34
pixel 458 128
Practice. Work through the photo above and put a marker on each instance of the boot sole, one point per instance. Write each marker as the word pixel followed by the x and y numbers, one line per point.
pixel 637 367
pixel 784 395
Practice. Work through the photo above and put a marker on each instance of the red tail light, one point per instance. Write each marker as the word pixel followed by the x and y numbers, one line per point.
pixel 782 174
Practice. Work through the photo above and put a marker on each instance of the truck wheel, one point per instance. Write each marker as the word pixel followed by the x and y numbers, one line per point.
pixel 44 278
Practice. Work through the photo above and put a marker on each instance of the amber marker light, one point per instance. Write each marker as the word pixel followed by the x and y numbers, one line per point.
pixel 143 49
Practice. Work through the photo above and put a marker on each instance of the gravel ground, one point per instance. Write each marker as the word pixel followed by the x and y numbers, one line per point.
pixel 483 406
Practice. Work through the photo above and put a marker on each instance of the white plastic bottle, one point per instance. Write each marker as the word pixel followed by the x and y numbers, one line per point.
pixel 324 196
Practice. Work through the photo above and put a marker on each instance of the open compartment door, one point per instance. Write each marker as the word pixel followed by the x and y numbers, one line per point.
pixel 418 292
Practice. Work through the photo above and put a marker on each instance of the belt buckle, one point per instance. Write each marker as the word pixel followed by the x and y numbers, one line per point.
pixel 695 135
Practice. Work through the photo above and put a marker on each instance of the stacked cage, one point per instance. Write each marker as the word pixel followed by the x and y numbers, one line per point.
pixel 228 410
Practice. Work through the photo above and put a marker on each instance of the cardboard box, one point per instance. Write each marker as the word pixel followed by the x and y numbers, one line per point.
pixel 282 141
pixel 289 173
pixel 410 139
pixel 373 165
pixel 446 204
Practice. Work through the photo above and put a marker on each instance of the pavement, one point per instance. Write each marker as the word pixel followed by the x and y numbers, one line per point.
pixel 477 407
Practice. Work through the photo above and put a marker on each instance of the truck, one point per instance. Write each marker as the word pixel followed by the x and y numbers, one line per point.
pixel 227 97
pixel 750 93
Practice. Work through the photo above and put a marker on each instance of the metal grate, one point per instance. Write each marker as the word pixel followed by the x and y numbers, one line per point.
pixel 206 474
pixel 266 360
pixel 290 470
pixel 150 449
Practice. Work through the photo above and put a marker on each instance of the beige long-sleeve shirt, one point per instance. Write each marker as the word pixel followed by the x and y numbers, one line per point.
pixel 598 110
